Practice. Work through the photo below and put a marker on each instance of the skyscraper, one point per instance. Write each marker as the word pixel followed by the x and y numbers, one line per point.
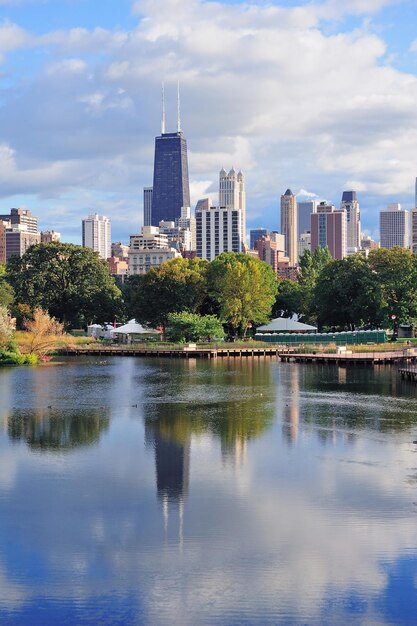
pixel 413 230
pixel 147 206
pixel 393 226
pixel 289 225
pixel 218 230
pixel 328 228
pixel 353 218
pixel 97 235
pixel 304 211
pixel 171 188
pixel 232 194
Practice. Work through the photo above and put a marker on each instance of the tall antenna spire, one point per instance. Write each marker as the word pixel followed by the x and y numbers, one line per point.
pixel 163 111
pixel 178 108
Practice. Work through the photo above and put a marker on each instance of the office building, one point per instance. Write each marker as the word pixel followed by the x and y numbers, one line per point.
pixel 304 211
pixel 289 225
pixel 3 225
pixel 270 250
pixel 256 234
pixel 328 228
pixel 22 217
pixel 187 222
pixel 18 239
pixel 393 227
pixel 413 230
pixel 147 205
pixel 119 268
pixel 171 188
pixel 232 194
pixel 218 230
pixel 97 234
pixel 50 236
pixel 304 243
pixel 149 250
pixel 353 218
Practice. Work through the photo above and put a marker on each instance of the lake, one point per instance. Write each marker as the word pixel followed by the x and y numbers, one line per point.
pixel 227 492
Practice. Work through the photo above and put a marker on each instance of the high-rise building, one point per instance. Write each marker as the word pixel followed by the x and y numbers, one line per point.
pixel 22 217
pixel 328 228
pixel 18 239
pixel 187 222
pixel 256 234
pixel 304 211
pixel 304 242
pixel 218 230
pixel 393 226
pixel 147 205
pixel 232 194
pixel 3 225
pixel 353 218
pixel 148 250
pixel 289 225
pixel 171 188
pixel 119 250
pixel 413 230
pixel 270 251
pixel 367 243
pixel 97 234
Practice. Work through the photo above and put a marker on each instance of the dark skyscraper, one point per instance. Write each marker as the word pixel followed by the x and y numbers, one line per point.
pixel 171 188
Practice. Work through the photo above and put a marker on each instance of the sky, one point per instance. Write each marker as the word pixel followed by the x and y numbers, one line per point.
pixel 316 96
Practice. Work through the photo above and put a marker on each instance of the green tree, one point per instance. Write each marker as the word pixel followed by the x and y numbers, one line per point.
pixel 243 287
pixel 177 285
pixel 6 292
pixel 186 326
pixel 289 300
pixel 70 282
pixel 311 266
pixel 347 295
pixel 396 272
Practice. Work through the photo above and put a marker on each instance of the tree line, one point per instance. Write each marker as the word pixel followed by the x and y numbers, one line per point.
pixel 74 286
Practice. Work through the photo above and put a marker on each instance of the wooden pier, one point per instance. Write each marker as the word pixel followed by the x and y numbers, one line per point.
pixel 408 371
pixel 286 356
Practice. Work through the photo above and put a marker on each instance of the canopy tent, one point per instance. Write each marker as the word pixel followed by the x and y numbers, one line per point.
pixel 132 329
pixel 285 325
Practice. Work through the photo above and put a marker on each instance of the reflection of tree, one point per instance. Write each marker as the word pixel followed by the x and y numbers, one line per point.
pixel 246 415
pixel 57 429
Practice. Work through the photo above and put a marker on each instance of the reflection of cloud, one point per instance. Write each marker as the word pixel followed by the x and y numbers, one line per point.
pixel 12 595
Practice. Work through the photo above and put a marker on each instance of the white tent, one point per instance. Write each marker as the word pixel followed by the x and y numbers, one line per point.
pixel 128 331
pixel 285 325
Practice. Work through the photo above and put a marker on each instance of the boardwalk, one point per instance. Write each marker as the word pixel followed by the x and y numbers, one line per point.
pixel 408 371
pixel 359 358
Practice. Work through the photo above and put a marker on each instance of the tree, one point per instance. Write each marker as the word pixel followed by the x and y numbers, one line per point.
pixel 395 270
pixel 243 287
pixel 177 285
pixel 186 326
pixel 311 266
pixel 289 300
pixel 6 292
pixel 42 332
pixel 5 327
pixel 70 282
pixel 347 295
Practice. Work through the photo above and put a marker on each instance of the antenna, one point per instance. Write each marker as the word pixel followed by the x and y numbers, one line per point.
pixel 178 108
pixel 163 111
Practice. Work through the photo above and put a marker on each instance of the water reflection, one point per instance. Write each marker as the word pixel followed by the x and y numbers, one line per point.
pixel 279 528
pixel 57 429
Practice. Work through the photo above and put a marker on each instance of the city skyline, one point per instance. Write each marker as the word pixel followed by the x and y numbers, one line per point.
pixel 80 104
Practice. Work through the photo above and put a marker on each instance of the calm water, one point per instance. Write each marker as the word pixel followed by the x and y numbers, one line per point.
pixel 226 493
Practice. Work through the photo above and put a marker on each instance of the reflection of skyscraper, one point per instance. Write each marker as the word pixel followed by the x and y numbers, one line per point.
pixel 171 188
pixel 291 411
pixel 172 461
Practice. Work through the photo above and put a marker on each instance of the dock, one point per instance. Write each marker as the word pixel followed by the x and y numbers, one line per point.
pixel 408 371
pixel 286 356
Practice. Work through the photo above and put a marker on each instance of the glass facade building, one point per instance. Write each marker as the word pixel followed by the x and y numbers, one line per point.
pixel 171 188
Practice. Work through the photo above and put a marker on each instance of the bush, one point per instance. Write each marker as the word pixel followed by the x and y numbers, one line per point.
pixel 192 327
pixel 15 358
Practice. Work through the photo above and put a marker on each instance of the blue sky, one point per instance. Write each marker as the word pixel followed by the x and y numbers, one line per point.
pixel 319 97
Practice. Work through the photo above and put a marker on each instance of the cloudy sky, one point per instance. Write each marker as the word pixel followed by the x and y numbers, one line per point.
pixel 317 96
